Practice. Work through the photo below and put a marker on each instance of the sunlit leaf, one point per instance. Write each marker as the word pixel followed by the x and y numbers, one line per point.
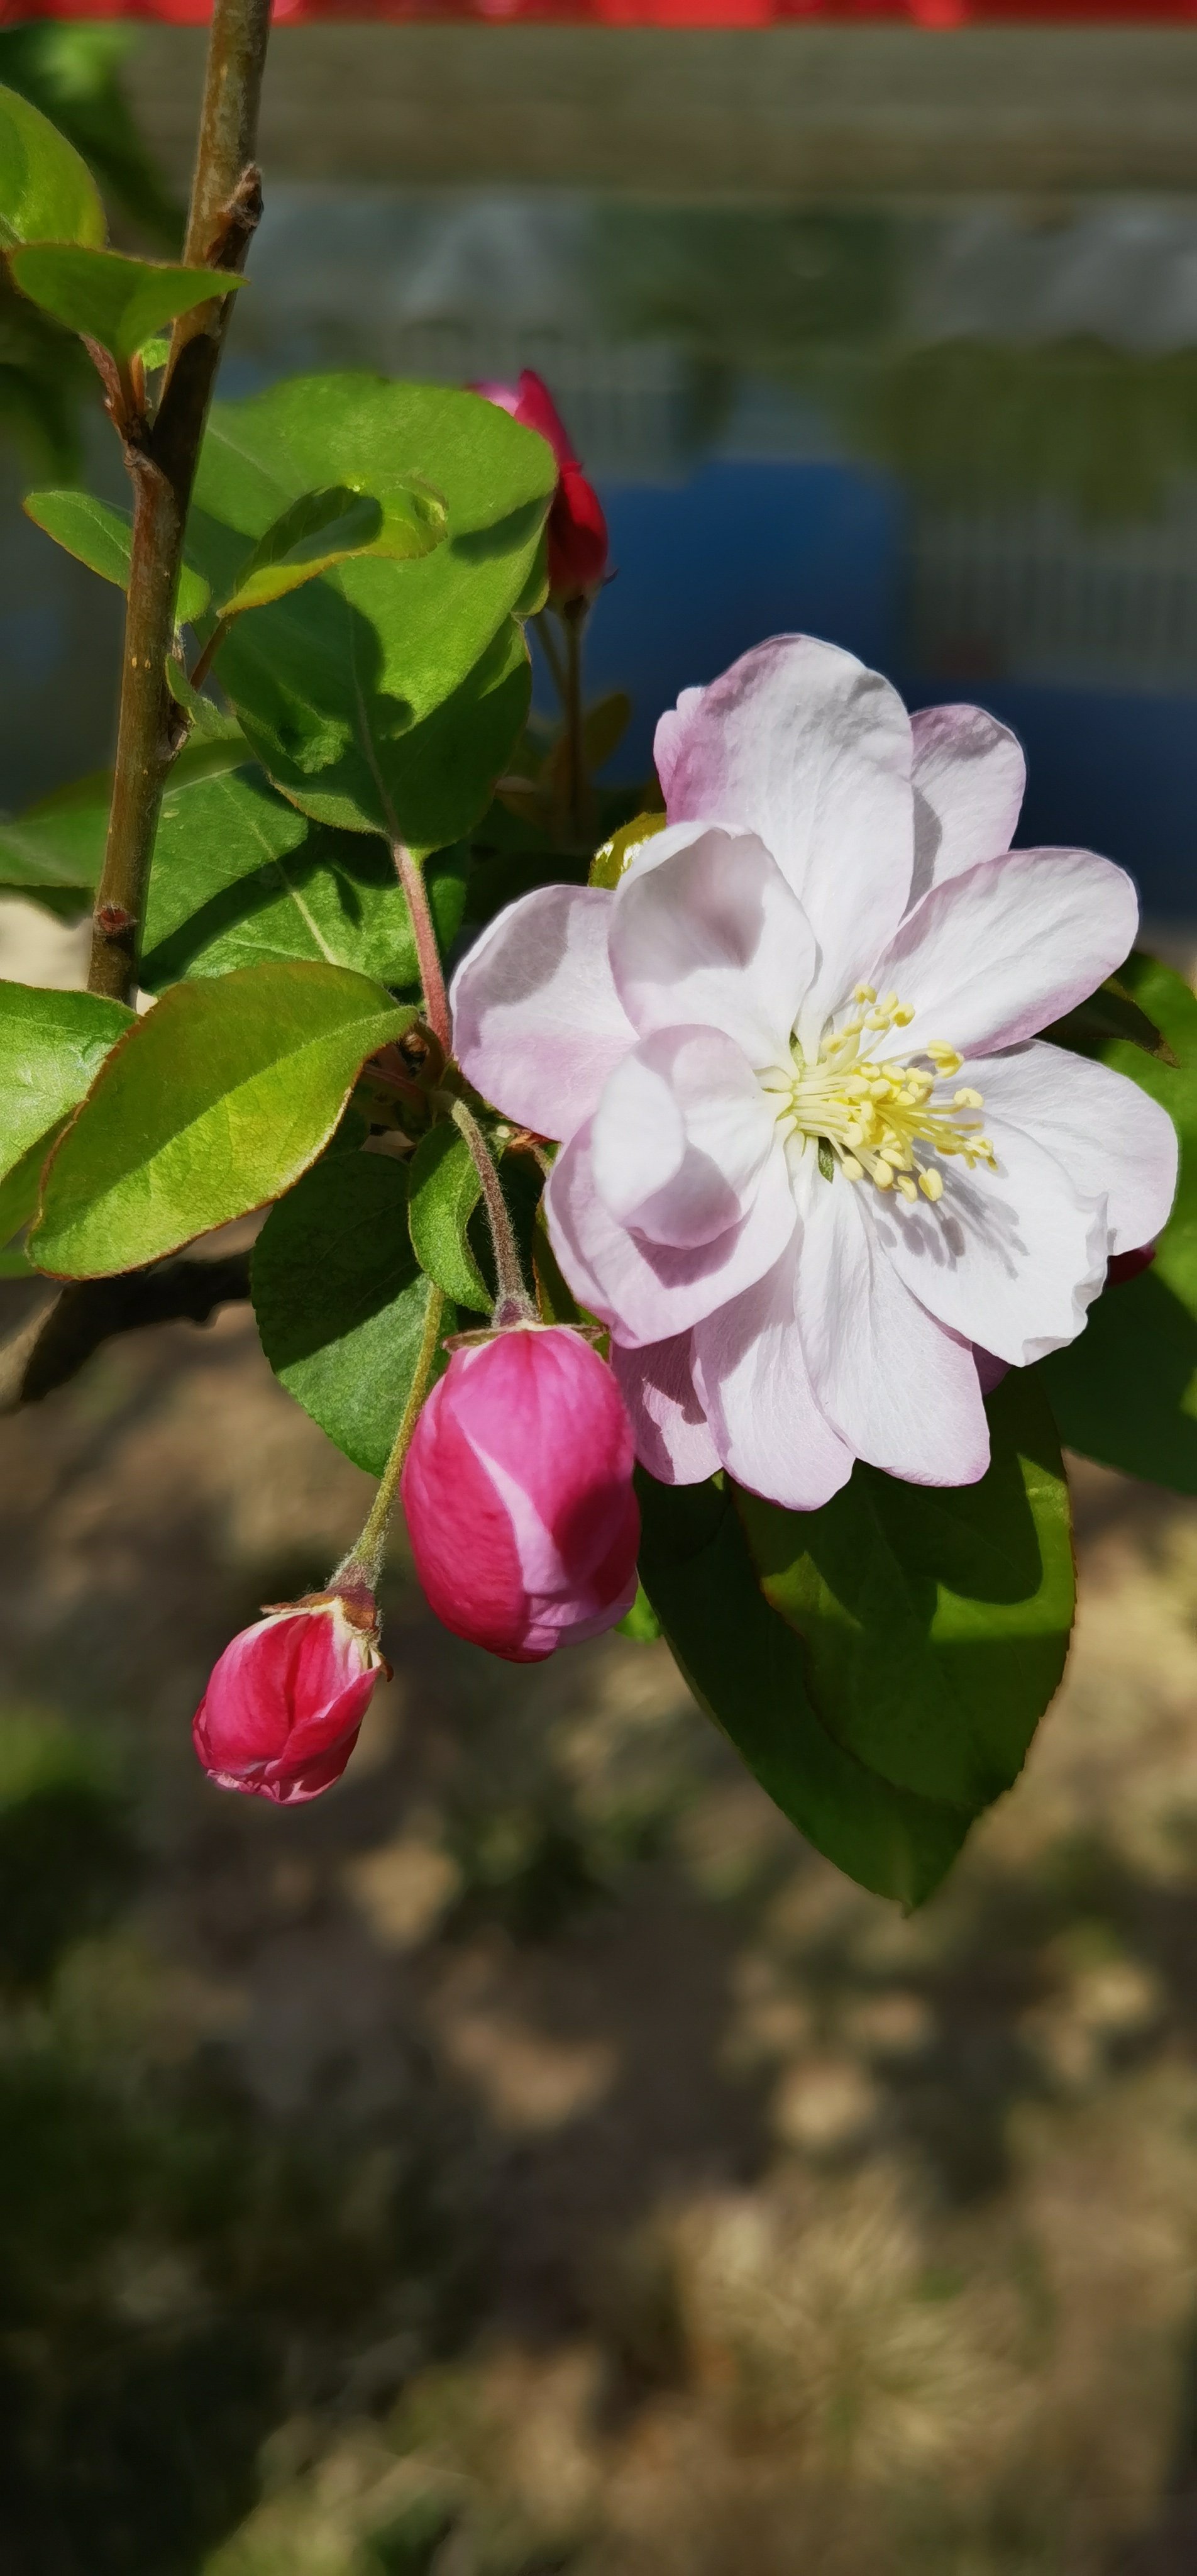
pixel 102 538
pixel 108 297
pixel 213 1103
pixel 324 529
pixel 47 192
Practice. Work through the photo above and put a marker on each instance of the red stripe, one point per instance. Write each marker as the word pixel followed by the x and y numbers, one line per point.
pixel 943 14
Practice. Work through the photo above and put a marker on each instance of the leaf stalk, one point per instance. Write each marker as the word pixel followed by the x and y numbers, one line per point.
pixel 364 1561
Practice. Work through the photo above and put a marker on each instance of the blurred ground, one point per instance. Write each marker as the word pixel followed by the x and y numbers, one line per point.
pixel 531 2158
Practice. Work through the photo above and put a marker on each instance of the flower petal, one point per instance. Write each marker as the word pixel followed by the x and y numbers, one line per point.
pixel 994 955
pixel 681 1136
pixel 537 1022
pixel 752 1376
pixel 803 746
pixel 969 781
pixel 1011 1258
pixel 712 934
pixel 665 1411
pixel 901 1391
pixel 1113 1140
pixel 647 1291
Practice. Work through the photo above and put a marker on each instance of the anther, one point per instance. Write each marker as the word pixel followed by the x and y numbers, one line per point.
pixel 931 1185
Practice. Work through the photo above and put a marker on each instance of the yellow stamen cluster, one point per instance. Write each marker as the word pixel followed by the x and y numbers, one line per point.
pixel 873 1116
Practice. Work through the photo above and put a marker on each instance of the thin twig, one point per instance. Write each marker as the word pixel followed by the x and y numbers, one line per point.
pixel 428 955
pixel 57 1341
pixel 513 1304
pixel 365 1558
pixel 225 205
pixel 204 660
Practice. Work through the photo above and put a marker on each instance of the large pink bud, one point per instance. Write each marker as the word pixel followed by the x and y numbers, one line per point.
pixel 518 1494
pixel 281 1712
pixel 577 529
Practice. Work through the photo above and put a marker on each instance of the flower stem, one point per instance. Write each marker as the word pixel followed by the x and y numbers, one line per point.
pixel 513 1304
pixel 575 747
pixel 428 955
pixel 161 458
pixel 364 1561
pixel 548 645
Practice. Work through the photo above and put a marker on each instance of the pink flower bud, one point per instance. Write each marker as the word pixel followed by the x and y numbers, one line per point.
pixel 577 530
pixel 518 1494
pixel 282 1710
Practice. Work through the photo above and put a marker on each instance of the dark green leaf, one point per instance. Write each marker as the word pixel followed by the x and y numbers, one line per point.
pixel 1172 1006
pixel 52 1046
pixel 384 696
pixel 213 1103
pixel 1110 1013
pixel 107 297
pixel 445 1190
pixel 340 1302
pixel 239 875
pixel 20 1188
pixel 1125 1392
pixel 935 1621
pixel 747 1669
pixel 73 73
pixel 47 192
pixel 102 538
pixel 324 529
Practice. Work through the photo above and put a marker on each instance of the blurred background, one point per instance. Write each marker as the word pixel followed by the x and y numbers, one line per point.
pixel 532 2158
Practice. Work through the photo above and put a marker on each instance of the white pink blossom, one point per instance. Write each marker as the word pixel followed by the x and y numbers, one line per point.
pixel 815 1157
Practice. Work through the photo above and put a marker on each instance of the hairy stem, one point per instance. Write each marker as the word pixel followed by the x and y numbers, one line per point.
pixel 428 955
pixel 365 1558
pixel 513 1304
pixel 225 205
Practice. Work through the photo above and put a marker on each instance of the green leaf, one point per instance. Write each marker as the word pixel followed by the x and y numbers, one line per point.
pixel 21 1188
pixel 1125 1392
pixel 213 1103
pixel 239 875
pixel 341 1303
pixel 1172 1007
pixel 747 1669
pixel 107 297
pixel 640 1623
pixel 52 1046
pixel 609 862
pixel 325 529
pixel 383 696
pixel 102 538
pixel 1110 1013
pixel 445 1190
pixel 935 1622
pixel 47 192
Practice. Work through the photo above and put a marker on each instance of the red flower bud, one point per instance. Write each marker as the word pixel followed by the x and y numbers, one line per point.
pixel 1125 1266
pixel 282 1710
pixel 517 1488
pixel 577 529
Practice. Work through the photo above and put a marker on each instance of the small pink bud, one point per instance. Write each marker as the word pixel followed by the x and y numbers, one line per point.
pixel 518 1493
pixel 577 530
pixel 282 1710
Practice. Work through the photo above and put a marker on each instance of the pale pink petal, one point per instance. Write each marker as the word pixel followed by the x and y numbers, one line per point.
pixel 1012 1258
pixel 537 1022
pixel 665 1411
pixel 670 734
pixel 751 1372
pixel 712 934
pixel 647 1291
pixel 993 956
pixel 969 781
pixel 681 1136
pixel 1112 1139
pixel 803 746
pixel 899 1389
